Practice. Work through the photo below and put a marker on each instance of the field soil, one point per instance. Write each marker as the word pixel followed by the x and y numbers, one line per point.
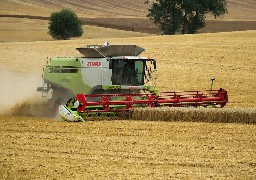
pixel 122 15
pixel 47 149
pixel 26 29
pixel 237 10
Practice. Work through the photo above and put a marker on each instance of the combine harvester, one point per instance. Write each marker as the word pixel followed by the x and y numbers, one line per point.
pixel 110 79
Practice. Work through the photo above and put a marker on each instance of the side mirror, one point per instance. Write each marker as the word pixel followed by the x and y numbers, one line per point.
pixel 154 64
pixel 110 64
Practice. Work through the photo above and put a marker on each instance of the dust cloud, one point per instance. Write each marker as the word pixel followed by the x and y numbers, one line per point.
pixel 18 95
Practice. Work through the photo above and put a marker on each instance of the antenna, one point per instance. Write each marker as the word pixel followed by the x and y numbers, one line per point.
pixel 212 79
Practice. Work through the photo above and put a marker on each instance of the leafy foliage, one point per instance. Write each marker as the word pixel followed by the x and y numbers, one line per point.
pixel 64 25
pixel 184 16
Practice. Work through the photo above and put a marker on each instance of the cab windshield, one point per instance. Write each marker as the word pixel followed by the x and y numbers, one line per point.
pixel 128 72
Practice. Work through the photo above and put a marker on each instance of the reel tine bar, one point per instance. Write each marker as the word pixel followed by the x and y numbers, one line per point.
pixel 129 101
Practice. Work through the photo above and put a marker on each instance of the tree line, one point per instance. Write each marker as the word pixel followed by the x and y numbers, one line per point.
pixel 184 16
pixel 172 16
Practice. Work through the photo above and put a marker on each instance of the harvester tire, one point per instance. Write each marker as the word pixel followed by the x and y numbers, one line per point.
pixel 59 101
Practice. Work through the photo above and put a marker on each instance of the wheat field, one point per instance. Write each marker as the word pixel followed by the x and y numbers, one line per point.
pixel 43 148
pixel 223 115
pixel 48 149
pixel 167 143
pixel 185 62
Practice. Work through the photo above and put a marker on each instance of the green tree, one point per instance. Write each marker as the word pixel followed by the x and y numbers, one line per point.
pixel 64 25
pixel 184 16
pixel 167 14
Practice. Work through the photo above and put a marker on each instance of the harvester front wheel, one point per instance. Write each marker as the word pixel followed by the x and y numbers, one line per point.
pixel 57 103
